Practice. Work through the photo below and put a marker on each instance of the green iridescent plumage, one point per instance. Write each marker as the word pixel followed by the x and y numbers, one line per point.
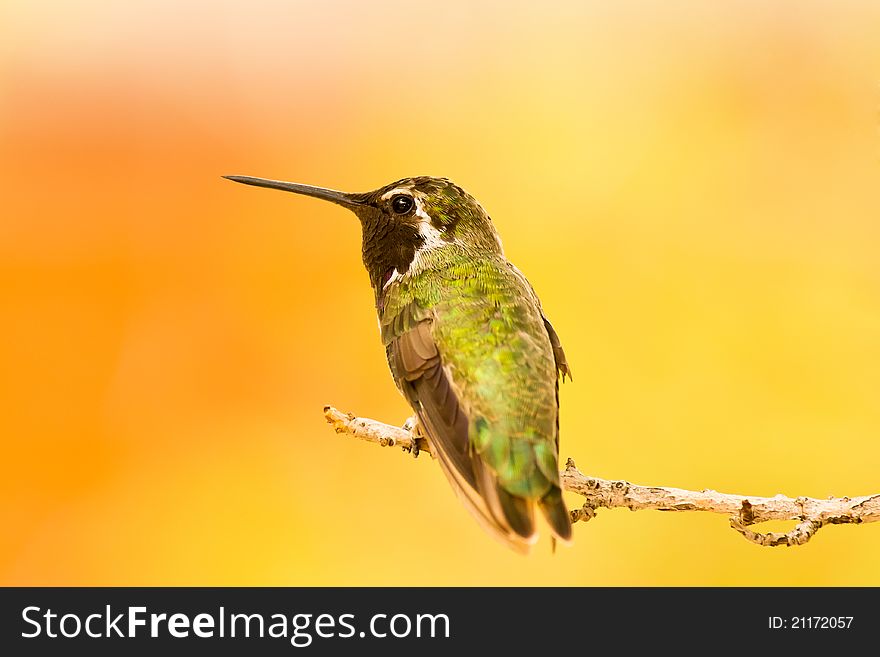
pixel 488 331
pixel 499 355
pixel 468 346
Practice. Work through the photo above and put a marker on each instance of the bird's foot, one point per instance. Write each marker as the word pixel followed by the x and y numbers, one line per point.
pixel 412 426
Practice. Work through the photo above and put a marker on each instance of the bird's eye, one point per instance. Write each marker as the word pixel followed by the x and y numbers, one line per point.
pixel 402 204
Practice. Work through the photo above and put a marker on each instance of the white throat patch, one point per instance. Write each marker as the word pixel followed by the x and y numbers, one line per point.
pixel 433 239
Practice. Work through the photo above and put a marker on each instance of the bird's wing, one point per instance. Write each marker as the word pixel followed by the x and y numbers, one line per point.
pixel 562 367
pixel 417 365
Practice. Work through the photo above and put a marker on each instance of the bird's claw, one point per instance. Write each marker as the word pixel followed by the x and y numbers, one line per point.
pixel 412 426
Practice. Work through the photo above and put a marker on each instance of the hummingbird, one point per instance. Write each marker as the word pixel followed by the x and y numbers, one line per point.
pixel 468 346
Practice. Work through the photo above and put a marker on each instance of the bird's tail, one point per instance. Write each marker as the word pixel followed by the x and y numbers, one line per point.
pixel 556 514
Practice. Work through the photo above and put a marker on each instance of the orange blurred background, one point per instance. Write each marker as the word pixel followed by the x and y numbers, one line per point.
pixel 691 187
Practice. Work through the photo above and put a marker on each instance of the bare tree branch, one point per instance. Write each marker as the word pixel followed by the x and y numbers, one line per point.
pixel 810 514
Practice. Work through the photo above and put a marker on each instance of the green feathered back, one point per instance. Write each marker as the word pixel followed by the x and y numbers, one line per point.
pixel 489 330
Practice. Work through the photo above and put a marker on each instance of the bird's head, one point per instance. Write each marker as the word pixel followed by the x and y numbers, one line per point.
pixel 405 221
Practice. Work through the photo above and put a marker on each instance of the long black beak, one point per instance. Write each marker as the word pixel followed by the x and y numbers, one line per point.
pixel 340 198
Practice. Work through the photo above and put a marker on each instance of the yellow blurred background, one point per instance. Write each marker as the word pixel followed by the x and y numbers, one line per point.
pixel 691 187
